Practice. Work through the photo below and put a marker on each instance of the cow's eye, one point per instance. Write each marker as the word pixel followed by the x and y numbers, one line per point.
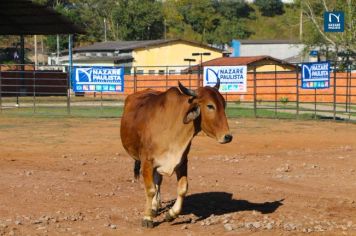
pixel 210 107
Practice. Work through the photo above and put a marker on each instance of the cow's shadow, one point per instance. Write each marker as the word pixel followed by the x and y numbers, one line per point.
pixel 219 203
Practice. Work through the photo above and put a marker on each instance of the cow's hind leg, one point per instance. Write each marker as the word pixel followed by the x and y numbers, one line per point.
pixel 147 172
pixel 156 202
pixel 182 189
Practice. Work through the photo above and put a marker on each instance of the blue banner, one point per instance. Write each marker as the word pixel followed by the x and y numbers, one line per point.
pixel 315 75
pixel 334 21
pixel 98 79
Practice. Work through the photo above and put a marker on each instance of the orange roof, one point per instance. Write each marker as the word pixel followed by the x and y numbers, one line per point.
pixel 233 61
pixel 236 61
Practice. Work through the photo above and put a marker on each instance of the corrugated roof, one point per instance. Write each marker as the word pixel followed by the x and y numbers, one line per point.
pixel 130 45
pixel 23 17
pixel 270 41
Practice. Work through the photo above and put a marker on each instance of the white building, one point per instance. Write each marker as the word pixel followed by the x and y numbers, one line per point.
pixel 288 50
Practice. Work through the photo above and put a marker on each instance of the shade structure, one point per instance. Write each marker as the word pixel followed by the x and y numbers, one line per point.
pixel 23 17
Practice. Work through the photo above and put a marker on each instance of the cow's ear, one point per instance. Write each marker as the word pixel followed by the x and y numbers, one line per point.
pixel 192 114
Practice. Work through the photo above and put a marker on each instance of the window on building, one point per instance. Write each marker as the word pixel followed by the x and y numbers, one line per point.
pixel 139 72
pixel 161 72
pixel 151 72
pixel 172 72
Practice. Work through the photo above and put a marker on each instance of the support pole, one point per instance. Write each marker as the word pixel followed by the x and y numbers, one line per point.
pixel 297 90
pixel 334 105
pixel 254 92
pixel 70 64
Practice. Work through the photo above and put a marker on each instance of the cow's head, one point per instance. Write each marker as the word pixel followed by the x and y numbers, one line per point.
pixel 208 107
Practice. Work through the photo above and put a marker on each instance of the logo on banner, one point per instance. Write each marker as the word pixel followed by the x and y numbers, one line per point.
pixel 232 78
pixel 316 75
pixel 83 74
pixel 98 79
pixel 334 21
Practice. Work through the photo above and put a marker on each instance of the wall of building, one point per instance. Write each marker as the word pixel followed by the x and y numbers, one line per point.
pixel 279 51
pixel 269 68
pixel 171 54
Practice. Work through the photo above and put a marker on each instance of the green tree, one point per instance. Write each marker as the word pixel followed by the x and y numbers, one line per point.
pixel 270 7
pixel 232 8
pixel 200 15
pixel 214 22
pixel 330 43
pixel 138 20
pixel 51 40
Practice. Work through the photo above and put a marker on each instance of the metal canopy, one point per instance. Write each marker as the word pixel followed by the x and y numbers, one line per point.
pixel 23 17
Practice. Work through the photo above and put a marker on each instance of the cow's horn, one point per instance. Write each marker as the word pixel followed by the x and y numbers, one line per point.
pixel 217 85
pixel 186 91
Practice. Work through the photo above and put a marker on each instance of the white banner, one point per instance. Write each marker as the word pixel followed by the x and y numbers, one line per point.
pixel 232 78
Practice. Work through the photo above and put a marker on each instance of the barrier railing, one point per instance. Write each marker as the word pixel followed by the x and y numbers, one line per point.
pixel 270 93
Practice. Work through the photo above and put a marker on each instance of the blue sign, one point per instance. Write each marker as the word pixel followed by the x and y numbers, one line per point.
pixel 316 75
pixel 334 21
pixel 313 53
pixel 232 78
pixel 98 79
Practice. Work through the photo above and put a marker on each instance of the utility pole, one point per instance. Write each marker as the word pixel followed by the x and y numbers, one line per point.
pixel 165 29
pixel 105 29
pixel 200 67
pixel 301 23
pixel 35 42
pixel 57 60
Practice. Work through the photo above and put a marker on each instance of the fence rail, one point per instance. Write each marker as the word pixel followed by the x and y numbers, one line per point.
pixel 273 93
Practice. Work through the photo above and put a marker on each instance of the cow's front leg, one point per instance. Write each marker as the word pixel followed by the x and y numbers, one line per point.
pixel 156 202
pixel 182 189
pixel 147 172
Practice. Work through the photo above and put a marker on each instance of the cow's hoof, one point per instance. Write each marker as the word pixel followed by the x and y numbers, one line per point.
pixel 169 218
pixel 154 213
pixel 147 223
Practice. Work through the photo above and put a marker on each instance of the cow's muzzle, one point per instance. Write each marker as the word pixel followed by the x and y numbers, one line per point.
pixel 227 138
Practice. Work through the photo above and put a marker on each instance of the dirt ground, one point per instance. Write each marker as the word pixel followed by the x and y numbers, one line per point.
pixel 72 177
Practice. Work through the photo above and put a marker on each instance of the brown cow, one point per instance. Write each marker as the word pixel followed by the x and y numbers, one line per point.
pixel 157 129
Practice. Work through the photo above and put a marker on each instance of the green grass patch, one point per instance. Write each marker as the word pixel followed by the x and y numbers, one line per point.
pixel 232 111
pixel 90 112
pixel 235 112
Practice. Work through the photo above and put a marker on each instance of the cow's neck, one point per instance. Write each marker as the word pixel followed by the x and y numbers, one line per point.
pixel 175 136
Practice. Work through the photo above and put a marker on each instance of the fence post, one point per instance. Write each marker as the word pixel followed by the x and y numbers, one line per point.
pixel 190 77
pixel 167 77
pixel 334 105
pixel 297 90
pixel 101 102
pixel 347 92
pixel 68 89
pixel 315 104
pixel 135 80
pixel 0 92
pixel 254 92
pixel 199 82
pixel 34 90
pixel 275 91
pixel 349 76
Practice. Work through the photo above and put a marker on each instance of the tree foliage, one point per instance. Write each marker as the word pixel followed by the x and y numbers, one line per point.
pixel 206 21
pixel 333 43
pixel 270 7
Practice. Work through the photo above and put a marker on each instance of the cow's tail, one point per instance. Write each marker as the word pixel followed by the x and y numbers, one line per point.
pixel 137 167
